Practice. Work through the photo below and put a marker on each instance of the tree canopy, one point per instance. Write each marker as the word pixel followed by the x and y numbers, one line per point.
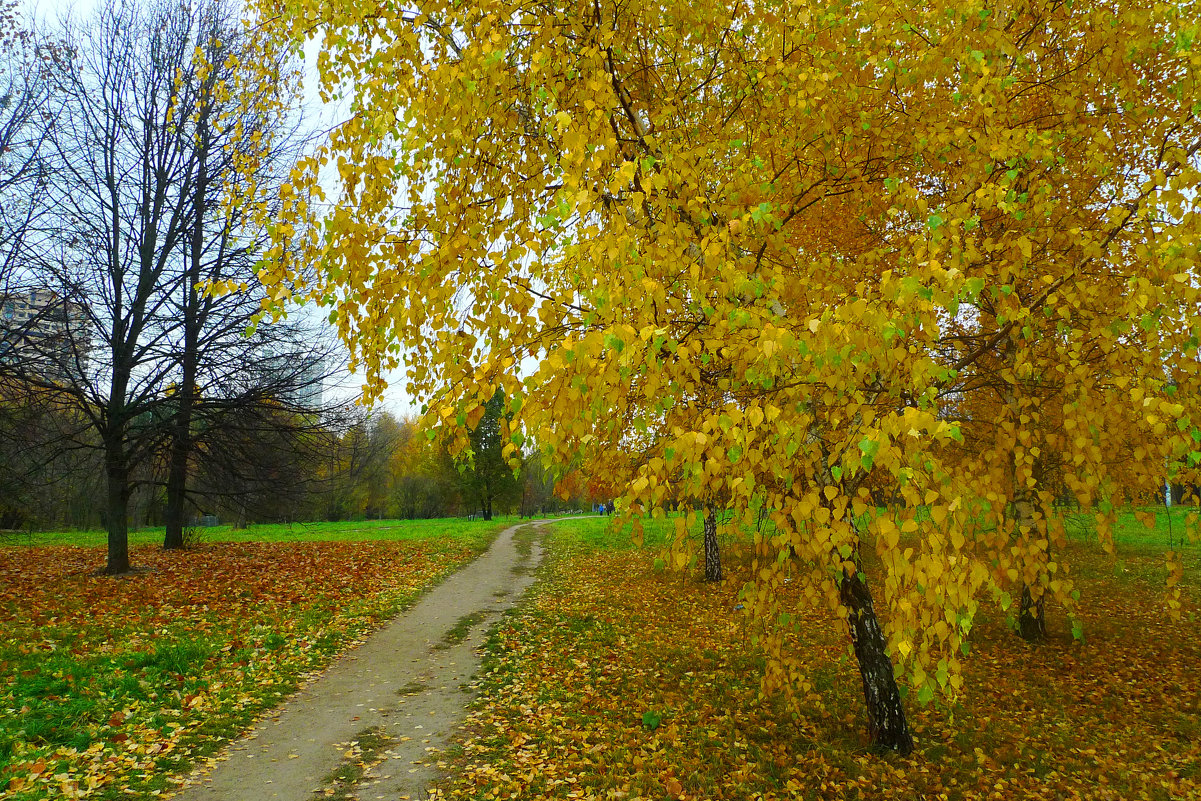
pixel 784 254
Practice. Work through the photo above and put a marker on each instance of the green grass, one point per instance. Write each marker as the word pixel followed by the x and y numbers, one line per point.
pixel 401 530
pixel 459 631
pixel 620 681
pixel 601 533
pixel 413 688
pixel 367 749
pixel 1169 529
pixel 588 532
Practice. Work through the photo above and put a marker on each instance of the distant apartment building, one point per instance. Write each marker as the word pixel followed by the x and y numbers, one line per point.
pixel 310 389
pixel 43 332
pixel 300 379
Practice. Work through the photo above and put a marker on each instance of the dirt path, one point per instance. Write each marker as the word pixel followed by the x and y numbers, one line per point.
pixel 409 683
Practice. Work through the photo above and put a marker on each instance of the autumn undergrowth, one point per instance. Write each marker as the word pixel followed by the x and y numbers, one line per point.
pixel 615 680
pixel 115 686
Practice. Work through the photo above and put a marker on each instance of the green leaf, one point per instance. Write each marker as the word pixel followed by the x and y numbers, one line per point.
pixel 913 286
pixel 651 719
pixel 1078 630
pixel 925 695
pixel 868 447
pixel 1006 601
pixel 1184 40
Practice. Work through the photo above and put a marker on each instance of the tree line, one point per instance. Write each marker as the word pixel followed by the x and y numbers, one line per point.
pixel 373 466
pixel 390 468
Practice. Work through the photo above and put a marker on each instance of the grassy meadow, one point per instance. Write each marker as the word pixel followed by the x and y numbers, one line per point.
pixel 613 680
pixel 342 531
pixel 619 681
pixel 111 687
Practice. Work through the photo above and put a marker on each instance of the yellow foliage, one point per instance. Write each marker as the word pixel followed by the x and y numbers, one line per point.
pixel 944 249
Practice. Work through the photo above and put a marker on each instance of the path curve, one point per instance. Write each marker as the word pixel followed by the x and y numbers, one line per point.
pixel 410 679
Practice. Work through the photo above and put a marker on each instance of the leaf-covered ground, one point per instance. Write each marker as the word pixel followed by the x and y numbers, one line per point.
pixel 110 685
pixel 617 682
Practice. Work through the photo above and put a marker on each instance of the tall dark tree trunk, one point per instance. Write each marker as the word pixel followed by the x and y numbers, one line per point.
pixel 177 456
pixel 1032 616
pixel 177 478
pixel 886 723
pixel 712 552
pixel 117 474
pixel 181 429
pixel 116 453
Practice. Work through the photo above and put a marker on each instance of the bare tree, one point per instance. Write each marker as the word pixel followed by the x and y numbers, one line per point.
pixel 223 378
pixel 117 172
pixel 142 178
pixel 265 463
pixel 27 66
pixel 46 477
